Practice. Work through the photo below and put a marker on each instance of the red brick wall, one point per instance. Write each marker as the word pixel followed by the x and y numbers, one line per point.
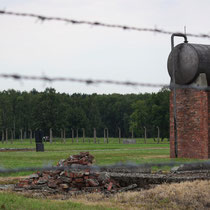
pixel 193 124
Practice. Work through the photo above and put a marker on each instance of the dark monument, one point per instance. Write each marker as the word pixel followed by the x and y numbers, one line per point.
pixel 39 140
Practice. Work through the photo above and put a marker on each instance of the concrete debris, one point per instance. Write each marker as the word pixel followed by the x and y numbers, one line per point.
pixel 191 167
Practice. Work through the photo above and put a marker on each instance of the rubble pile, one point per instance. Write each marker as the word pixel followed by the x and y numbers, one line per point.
pixel 72 179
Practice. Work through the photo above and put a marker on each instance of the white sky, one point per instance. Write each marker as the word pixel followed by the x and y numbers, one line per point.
pixel 57 49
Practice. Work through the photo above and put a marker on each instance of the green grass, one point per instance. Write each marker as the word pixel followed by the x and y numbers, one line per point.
pixel 11 201
pixel 104 154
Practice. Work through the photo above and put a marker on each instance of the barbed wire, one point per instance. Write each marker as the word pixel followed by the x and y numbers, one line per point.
pixel 85 81
pixel 97 23
pixel 101 81
pixel 184 166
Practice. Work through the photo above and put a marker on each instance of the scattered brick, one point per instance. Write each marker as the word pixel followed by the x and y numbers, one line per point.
pixel 92 182
pixel 64 186
pixel 109 186
pixel 79 180
pixel 52 184
pixel 71 180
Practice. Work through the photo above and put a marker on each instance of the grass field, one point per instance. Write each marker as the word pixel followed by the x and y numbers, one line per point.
pixel 13 201
pixel 104 154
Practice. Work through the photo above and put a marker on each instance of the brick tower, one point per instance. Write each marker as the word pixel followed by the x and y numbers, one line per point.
pixel 192 122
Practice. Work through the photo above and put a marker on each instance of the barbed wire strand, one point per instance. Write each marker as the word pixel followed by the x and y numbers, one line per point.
pixel 97 23
pixel 100 81
pixel 205 165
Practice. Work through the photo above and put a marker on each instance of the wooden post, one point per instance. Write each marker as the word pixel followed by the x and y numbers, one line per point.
pixel 107 135
pixel 24 135
pixel 72 135
pixel 158 141
pixel 83 134
pixel 119 134
pixel 77 136
pixel 61 135
pixel 64 135
pixel 30 136
pixel 11 136
pixel 51 136
pixel 6 135
pixel 2 137
pixel 94 134
pixel 21 135
pixel 145 135
pixel 132 133
pixel 104 135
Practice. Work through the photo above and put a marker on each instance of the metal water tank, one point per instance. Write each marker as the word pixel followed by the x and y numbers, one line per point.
pixel 188 61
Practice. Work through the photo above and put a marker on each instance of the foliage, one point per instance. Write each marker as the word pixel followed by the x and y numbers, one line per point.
pixel 49 109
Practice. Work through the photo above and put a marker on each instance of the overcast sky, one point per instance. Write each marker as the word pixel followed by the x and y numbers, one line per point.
pixel 30 47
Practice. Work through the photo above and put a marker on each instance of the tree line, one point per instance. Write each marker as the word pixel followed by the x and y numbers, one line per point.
pixel 50 109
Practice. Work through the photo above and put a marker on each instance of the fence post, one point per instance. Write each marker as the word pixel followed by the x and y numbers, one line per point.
pixel 104 135
pixel 2 138
pixel 145 135
pixel 72 135
pixel 83 135
pixel 24 134
pixel 6 135
pixel 61 135
pixel 21 135
pixel 51 136
pixel 158 141
pixel 107 135
pixel 30 136
pixel 77 136
pixel 94 133
pixel 119 131
pixel 64 135
pixel 11 136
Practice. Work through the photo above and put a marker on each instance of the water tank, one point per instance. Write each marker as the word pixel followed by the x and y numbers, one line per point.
pixel 188 61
